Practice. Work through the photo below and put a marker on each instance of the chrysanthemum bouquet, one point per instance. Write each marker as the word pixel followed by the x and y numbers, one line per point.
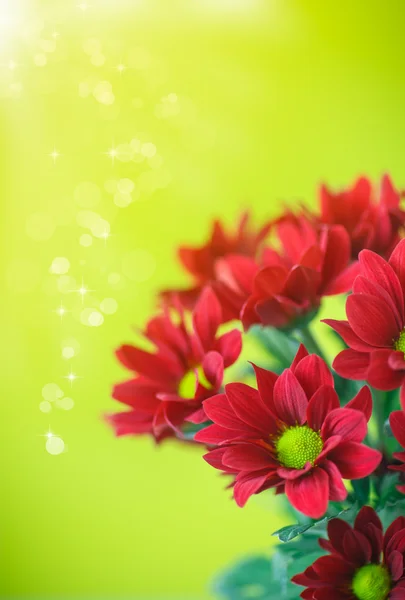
pixel 327 438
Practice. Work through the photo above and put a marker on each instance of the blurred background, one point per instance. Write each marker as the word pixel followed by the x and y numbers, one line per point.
pixel 126 125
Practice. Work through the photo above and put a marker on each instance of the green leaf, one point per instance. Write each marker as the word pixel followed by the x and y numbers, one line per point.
pixel 279 344
pixel 285 534
pixel 250 578
pixel 362 490
pixel 386 488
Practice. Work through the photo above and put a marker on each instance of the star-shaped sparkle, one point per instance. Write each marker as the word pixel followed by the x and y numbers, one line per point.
pixel 54 155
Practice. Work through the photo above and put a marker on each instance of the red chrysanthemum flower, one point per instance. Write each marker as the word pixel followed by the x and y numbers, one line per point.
pixel 290 434
pixel 201 262
pixel 397 422
pixel 187 367
pixel 362 564
pixel 375 330
pixel 371 225
pixel 313 262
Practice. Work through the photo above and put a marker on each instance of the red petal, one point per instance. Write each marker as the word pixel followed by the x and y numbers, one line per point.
pixel 246 486
pixel 273 312
pixel 248 457
pixel 247 405
pixel 290 401
pixel 337 490
pixel 332 569
pixel 366 516
pixel 377 270
pixel 213 367
pixel 322 402
pixel 207 317
pixel 312 372
pixel 375 537
pixel 286 473
pixel 352 364
pixel 302 352
pixel 398 593
pixel 347 334
pixel 354 460
pixel 229 346
pixel 380 375
pixel 394 528
pixel 350 424
pixel 214 458
pixel 215 435
pixel 218 409
pixel 397 262
pixel 372 320
pixel 366 286
pixel 343 282
pixel 149 365
pixel 396 361
pixel 336 530
pixel 336 244
pixel 330 594
pixel 363 401
pixel 396 565
pixel 270 281
pixel 357 548
pixel 265 384
pixel 309 494
pixel 397 422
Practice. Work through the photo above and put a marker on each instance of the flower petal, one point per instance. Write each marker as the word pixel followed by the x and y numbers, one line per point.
pixel 247 405
pixel 355 460
pixel 397 422
pixel 397 262
pixel 363 401
pixel 265 384
pixel 352 364
pixel 246 485
pixel 350 424
pixel 213 367
pixel 357 547
pixel 312 372
pixel 372 320
pixel 218 409
pixel 367 286
pixel 290 401
pixel 396 565
pixel 207 317
pixel 229 346
pixel 309 494
pixel 379 373
pixel 347 334
pixel 337 490
pixel 248 457
pixel 377 270
pixel 324 400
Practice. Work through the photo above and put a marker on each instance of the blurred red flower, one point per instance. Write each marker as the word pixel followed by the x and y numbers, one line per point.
pixel 290 434
pixel 201 262
pixel 374 330
pixel 370 224
pixel 187 367
pixel 354 568
pixel 313 262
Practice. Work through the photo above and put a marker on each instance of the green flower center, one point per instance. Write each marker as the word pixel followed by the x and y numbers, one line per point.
pixel 399 344
pixel 372 582
pixel 298 445
pixel 186 387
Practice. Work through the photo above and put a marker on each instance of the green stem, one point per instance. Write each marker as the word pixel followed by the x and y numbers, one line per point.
pixel 306 337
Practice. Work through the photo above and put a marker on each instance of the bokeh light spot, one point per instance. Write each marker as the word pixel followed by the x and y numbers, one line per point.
pixel 51 392
pixel 60 265
pixel 86 240
pixel 65 403
pixel 45 406
pixel 55 445
pixel 109 306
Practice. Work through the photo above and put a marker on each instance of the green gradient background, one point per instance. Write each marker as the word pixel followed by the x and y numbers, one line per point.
pixel 277 95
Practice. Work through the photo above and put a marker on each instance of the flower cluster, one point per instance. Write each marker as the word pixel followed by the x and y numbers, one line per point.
pixel 306 429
